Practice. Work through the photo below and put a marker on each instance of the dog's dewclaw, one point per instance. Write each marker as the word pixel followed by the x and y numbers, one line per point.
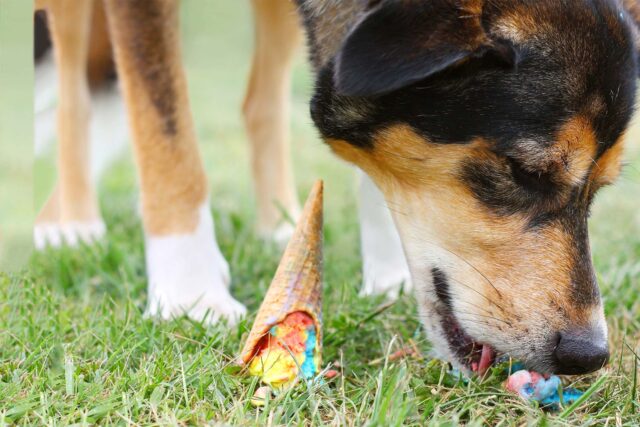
pixel 285 341
pixel 532 386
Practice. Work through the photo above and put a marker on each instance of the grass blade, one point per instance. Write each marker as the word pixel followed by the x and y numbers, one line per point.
pixel 587 394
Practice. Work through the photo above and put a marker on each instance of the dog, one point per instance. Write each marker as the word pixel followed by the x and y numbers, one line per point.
pixel 487 127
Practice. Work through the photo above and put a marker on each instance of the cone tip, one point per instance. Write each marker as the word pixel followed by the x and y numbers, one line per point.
pixel 302 260
pixel 317 190
pixel 313 209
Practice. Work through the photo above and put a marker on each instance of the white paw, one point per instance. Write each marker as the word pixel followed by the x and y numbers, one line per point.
pixel 208 307
pixel 385 268
pixel 188 275
pixel 222 266
pixel 386 280
pixel 71 233
pixel 282 234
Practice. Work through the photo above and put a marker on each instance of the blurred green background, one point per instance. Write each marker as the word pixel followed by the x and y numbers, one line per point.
pixel 16 132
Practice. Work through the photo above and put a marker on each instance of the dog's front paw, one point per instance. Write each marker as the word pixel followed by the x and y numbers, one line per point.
pixel 53 234
pixel 282 234
pixel 188 275
pixel 208 307
pixel 385 279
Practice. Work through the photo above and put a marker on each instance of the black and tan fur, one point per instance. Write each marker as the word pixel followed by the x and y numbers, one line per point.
pixel 489 125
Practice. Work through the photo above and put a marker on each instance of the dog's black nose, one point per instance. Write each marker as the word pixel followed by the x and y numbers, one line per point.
pixel 581 353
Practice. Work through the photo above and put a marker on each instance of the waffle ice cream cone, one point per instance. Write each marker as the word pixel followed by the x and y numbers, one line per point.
pixel 295 292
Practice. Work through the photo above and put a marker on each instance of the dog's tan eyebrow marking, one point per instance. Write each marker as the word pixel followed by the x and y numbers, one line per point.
pixel 146 22
pixel 575 150
pixel 567 160
pixel 519 25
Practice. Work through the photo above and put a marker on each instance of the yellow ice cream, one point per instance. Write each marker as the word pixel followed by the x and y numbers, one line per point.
pixel 287 351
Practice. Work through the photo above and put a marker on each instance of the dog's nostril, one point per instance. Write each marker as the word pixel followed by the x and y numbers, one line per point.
pixel 578 354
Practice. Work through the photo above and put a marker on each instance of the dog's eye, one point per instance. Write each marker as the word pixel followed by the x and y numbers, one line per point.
pixel 537 181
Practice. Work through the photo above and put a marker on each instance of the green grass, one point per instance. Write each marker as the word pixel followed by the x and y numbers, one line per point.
pixel 74 347
pixel 16 132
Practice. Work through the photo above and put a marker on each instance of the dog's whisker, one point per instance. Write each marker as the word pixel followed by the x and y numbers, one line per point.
pixel 473 321
pixel 435 293
pixel 395 210
pixel 471 288
pixel 465 261
pixel 477 292
pixel 506 322
pixel 488 314
pixel 469 264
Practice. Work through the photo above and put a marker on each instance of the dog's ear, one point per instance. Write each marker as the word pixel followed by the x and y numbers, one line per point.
pixel 400 42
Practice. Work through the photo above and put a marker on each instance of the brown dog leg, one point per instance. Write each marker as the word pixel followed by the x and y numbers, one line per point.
pixel 71 214
pixel 187 273
pixel 266 112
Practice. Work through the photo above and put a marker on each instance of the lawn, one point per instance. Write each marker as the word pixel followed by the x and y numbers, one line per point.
pixel 75 348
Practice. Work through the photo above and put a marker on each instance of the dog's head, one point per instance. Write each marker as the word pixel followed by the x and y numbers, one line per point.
pixel 490 126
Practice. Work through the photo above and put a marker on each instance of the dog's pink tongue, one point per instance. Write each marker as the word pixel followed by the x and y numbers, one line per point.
pixel 486 359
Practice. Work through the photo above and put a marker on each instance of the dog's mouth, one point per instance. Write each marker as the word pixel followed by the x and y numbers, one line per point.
pixel 474 356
